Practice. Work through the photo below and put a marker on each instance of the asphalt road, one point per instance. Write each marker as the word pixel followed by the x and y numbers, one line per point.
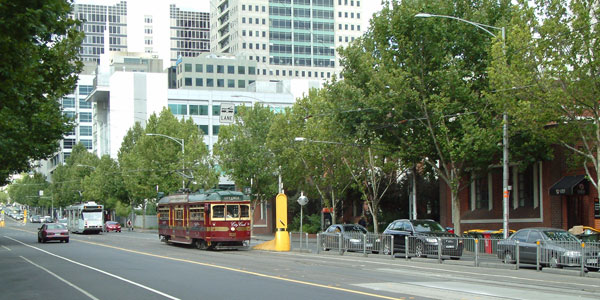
pixel 134 265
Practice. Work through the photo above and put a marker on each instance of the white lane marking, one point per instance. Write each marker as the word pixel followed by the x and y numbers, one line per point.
pixel 98 270
pixel 61 279
pixel 5 247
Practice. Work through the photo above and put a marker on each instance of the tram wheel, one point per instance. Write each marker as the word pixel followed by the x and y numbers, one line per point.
pixel 201 244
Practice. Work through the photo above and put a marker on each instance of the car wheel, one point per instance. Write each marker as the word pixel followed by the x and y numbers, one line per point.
pixel 508 257
pixel 387 249
pixel 67 240
pixel 454 257
pixel 200 244
pixel 419 250
pixel 324 248
pixel 39 240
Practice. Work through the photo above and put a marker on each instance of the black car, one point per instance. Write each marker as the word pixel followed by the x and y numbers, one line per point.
pixel 558 248
pixel 423 238
pixel 353 238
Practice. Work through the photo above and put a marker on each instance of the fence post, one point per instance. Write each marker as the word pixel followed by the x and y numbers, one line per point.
pixel 318 243
pixel 582 274
pixel 392 247
pixel 517 256
pixel 340 243
pixel 364 244
pixel 292 242
pixel 538 252
pixel 476 252
pixel 439 248
pixel 306 241
pixel 406 247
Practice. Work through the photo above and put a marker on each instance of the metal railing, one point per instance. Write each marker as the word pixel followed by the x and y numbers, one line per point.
pixel 299 240
pixel 543 254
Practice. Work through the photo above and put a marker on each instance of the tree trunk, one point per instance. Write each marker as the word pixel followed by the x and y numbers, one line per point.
pixel 456 211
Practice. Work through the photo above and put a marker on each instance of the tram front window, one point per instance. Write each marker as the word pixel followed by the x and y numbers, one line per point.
pixel 233 211
pixel 92 216
pixel 245 211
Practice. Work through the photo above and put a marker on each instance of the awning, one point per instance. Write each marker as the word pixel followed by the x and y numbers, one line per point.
pixel 570 185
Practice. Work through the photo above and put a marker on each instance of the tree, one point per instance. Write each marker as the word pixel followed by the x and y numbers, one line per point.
pixel 26 190
pixel 148 162
pixel 39 65
pixel 67 180
pixel 416 85
pixel 243 155
pixel 105 184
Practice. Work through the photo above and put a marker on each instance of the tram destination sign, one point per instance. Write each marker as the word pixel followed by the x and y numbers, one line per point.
pixel 226 113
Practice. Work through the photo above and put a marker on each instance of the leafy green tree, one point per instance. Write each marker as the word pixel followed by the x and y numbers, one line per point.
pixel 148 162
pixel 67 180
pixel 26 190
pixel 105 184
pixel 39 65
pixel 416 84
pixel 243 155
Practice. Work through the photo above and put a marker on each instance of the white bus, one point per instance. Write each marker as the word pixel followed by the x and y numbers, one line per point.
pixel 84 217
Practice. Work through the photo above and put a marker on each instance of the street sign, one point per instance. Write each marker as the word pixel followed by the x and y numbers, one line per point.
pixel 226 114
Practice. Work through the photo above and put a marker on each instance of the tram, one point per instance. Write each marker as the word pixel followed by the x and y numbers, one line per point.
pixel 212 219
pixel 84 217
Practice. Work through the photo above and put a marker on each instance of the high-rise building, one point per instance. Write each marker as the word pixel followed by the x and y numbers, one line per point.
pixel 287 38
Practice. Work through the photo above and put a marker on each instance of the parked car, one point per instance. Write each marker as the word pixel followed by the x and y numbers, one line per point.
pixel 53 231
pixel 63 221
pixel 112 226
pixel 558 248
pixel 423 238
pixel 353 238
pixel 46 219
pixel 35 219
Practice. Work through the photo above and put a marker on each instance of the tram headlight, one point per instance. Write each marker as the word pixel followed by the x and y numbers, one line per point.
pixel 232 228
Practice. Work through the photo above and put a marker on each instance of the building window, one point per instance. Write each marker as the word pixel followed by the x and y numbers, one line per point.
pixel 220 82
pixel 204 129
pixel 215 130
pixel 85 117
pixel 178 109
pixel 241 84
pixel 199 110
pixel 68 102
pixel 220 69
pixel 251 70
pixel 216 110
pixel 209 69
pixel 188 67
pixel 210 82
pixel 188 81
pixel 85 130
pixel 84 104
pixel 230 69
pixel 87 144
pixel 199 68
pixel 85 89
pixel 68 143
pixel 525 187
pixel 231 83
pixel 199 82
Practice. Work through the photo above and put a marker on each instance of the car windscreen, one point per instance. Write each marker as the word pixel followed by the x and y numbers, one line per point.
pixel 354 228
pixel 427 226
pixel 56 226
pixel 557 235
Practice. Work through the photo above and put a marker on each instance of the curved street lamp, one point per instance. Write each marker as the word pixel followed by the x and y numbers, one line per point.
pixel 505 186
pixel 180 142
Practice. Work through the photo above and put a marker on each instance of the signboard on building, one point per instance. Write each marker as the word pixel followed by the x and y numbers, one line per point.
pixel 227 112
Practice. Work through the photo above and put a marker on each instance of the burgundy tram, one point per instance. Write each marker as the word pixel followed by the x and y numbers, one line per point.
pixel 214 219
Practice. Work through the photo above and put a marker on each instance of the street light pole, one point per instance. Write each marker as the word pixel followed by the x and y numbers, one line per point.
pixel 180 142
pixel 505 187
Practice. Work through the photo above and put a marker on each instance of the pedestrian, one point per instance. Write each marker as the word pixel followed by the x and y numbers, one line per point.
pixel 362 221
pixel 129 225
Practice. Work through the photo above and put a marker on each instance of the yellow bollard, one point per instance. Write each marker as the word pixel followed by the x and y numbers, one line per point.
pixel 282 238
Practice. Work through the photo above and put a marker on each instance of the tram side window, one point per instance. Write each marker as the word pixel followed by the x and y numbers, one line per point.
pixel 233 211
pixel 179 214
pixel 197 213
pixel 245 211
pixel 218 211
pixel 163 213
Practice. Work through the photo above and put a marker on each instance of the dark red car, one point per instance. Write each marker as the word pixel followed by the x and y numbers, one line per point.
pixel 112 226
pixel 53 231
